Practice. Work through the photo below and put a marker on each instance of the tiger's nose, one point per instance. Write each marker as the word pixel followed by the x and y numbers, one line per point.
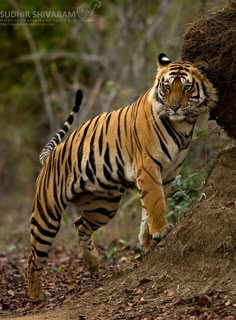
pixel 175 107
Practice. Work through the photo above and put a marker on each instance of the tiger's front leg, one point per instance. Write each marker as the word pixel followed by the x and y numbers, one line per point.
pixel 154 225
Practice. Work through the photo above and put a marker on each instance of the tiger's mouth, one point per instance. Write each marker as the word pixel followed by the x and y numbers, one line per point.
pixel 181 113
pixel 176 117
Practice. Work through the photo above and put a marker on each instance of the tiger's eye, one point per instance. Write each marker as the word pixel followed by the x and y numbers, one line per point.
pixel 167 86
pixel 187 87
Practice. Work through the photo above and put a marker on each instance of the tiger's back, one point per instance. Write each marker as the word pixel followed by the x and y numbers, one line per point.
pixel 143 145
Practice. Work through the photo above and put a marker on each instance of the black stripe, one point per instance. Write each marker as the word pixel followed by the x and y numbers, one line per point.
pixel 102 223
pixel 89 172
pixel 120 171
pixel 38 239
pixel 157 129
pixel 102 211
pixel 171 131
pixel 147 122
pixel 107 175
pixel 100 141
pixel 69 153
pixel 177 72
pixel 164 148
pixel 55 194
pixel 76 109
pixel 108 121
pixel 65 128
pixel 107 158
pixel 119 154
pixel 91 224
pixel 56 139
pixel 65 146
pixel 47 173
pixel 58 165
pixel 62 188
pixel 106 186
pixel 85 225
pixel 43 215
pixel 46 233
pixel 118 126
pixel 143 194
pixel 81 145
pixel 197 96
pixel 135 134
pixel 63 153
pixel 151 175
pixel 66 172
pixel 56 183
pixel 74 182
pixel 82 233
pixel 96 122
pixel 125 120
pixel 58 211
pixel 180 164
pixel 155 160
pixel 39 253
pixel 70 119
pixel 61 134
pixel 168 181
pixel 82 184
pixel 49 168
pixel 91 154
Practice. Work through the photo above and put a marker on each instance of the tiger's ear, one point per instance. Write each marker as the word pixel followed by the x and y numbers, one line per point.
pixel 162 60
pixel 202 66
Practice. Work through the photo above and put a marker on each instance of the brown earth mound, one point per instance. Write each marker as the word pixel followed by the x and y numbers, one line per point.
pixel 213 39
pixel 198 258
pixel 191 274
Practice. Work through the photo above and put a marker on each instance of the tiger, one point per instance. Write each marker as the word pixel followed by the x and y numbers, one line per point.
pixel 142 145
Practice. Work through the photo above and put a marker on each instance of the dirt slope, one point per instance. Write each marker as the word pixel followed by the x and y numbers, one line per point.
pixel 190 275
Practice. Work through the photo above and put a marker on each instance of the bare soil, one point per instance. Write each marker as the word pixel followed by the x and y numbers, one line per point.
pixel 189 275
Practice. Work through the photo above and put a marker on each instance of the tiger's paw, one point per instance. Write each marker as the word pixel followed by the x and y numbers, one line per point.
pixel 146 242
pixel 92 262
pixel 145 239
pixel 161 234
pixel 38 294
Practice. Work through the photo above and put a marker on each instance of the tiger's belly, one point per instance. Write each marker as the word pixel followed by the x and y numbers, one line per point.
pixel 112 183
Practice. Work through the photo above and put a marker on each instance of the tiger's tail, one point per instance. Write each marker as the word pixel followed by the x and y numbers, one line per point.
pixel 60 135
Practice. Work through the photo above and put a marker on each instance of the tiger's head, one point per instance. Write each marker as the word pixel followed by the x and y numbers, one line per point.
pixel 182 90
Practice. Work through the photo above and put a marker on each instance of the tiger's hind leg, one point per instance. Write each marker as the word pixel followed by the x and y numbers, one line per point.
pixel 45 224
pixel 90 253
pixel 96 212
